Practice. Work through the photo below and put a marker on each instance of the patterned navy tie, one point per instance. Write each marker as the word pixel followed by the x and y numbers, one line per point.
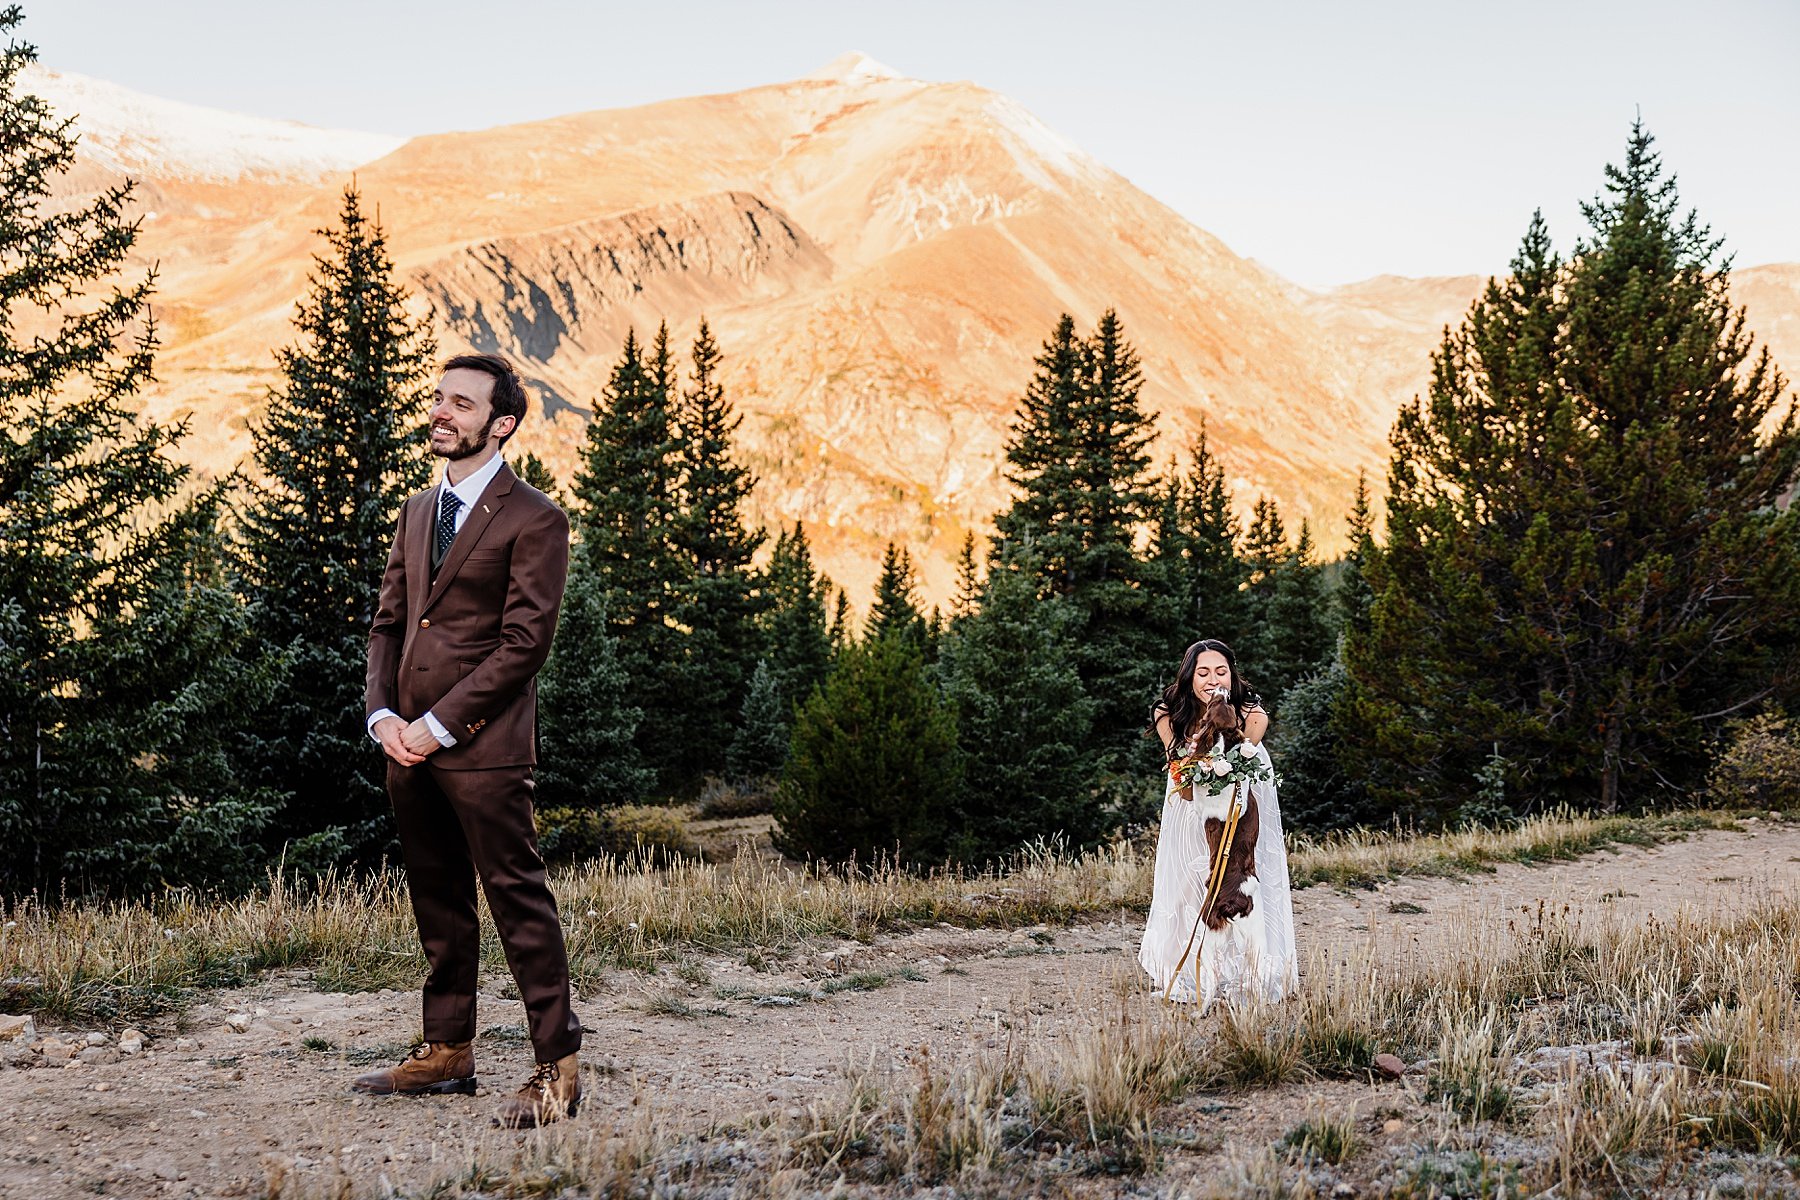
pixel 448 505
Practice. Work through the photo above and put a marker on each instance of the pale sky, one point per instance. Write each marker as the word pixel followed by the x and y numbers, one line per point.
pixel 1330 140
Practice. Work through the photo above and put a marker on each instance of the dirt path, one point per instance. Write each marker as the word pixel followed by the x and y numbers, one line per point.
pixel 212 1111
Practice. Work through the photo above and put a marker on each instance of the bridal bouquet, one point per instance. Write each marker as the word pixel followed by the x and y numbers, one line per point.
pixel 1219 771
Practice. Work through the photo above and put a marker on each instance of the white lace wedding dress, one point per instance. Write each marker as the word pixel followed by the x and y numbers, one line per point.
pixel 1182 866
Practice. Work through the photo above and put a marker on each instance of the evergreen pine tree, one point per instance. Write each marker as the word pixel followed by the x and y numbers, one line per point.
pixel 533 470
pixel 874 769
pixel 1121 650
pixel 336 453
pixel 1024 723
pixel 1078 459
pixel 1040 454
pixel 716 601
pixel 1321 787
pixel 795 638
pixel 1215 563
pixel 1172 605
pixel 122 647
pixel 1353 596
pixel 843 628
pixel 765 723
pixel 1297 634
pixel 1265 549
pixel 588 753
pixel 1588 563
pixel 895 611
pixel 626 507
pixel 967 598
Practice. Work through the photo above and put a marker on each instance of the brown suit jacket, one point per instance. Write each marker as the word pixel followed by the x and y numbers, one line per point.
pixel 467 647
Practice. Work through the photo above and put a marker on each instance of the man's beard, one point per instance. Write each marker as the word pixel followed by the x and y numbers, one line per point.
pixel 466 447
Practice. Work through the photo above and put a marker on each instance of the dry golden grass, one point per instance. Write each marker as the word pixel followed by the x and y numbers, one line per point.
pixel 1593 1116
pixel 1593 1059
pixel 128 961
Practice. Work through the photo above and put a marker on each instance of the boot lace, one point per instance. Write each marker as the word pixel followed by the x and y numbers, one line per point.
pixel 542 1076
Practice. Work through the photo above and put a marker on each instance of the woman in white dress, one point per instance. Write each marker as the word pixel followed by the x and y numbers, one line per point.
pixel 1242 962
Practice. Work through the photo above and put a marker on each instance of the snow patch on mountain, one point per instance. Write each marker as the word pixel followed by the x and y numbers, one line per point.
pixel 148 136
pixel 1035 145
pixel 855 67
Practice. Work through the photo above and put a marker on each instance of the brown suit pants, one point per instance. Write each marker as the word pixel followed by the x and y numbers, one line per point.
pixel 455 825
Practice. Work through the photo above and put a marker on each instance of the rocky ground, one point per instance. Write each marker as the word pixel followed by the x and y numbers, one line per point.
pixel 251 1086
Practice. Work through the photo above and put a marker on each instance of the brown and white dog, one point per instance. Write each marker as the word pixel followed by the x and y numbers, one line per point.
pixel 1233 914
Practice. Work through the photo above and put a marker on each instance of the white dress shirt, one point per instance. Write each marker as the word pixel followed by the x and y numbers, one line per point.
pixel 468 491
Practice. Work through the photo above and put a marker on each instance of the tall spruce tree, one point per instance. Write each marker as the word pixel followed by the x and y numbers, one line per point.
pixel 1315 724
pixel 717 600
pixel 765 724
pixel 1297 634
pixel 1589 562
pixel 795 637
pixel 1352 595
pixel 1024 723
pixel 588 754
pixel 535 471
pixel 626 508
pixel 895 610
pixel 1115 499
pixel 1078 457
pixel 969 587
pixel 843 627
pixel 1040 456
pixel 336 452
pixel 122 646
pixel 1195 553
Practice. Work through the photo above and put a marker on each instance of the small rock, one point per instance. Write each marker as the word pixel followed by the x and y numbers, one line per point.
pixel 238 1022
pixel 261 1013
pixel 18 1029
pixel 103 1086
pixel 56 1050
pixel 1390 1065
pixel 1343 1189
pixel 99 1056
pixel 131 1046
pixel 74 1064
pixel 186 1044
pixel 96 1039
pixel 1393 1125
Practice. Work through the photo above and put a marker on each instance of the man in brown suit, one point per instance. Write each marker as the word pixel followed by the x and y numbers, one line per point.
pixel 467 610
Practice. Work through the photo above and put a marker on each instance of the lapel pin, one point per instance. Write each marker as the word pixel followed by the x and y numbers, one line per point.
pixel 486 509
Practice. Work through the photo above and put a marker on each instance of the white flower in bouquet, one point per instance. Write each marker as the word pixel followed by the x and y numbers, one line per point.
pixel 1220 767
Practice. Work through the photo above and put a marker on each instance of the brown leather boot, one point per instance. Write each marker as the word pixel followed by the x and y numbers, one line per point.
pixel 552 1093
pixel 432 1069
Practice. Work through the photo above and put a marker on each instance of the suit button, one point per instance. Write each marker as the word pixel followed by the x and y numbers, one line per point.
pixel 425 624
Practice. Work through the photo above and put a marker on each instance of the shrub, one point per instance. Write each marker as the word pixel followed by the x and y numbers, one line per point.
pixel 1760 767
pixel 722 799
pixel 577 833
pixel 874 769
pixel 1318 791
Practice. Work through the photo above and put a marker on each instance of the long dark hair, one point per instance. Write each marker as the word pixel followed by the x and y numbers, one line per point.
pixel 1185 710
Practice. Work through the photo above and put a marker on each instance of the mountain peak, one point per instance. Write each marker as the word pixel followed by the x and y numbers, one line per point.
pixel 854 67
